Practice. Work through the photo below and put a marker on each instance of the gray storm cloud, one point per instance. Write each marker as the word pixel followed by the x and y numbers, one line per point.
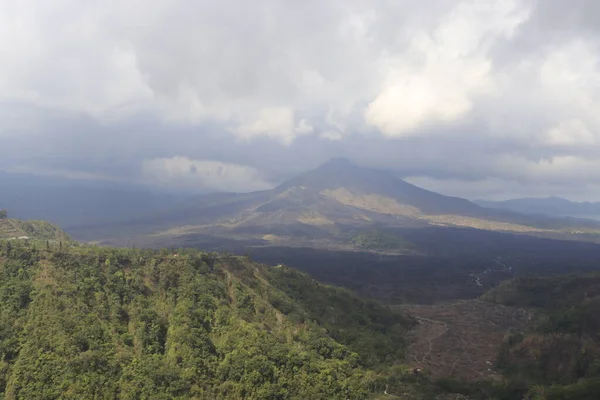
pixel 466 96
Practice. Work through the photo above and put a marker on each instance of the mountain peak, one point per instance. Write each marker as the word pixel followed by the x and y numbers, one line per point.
pixel 337 172
pixel 338 162
pixel 341 173
pixel 338 166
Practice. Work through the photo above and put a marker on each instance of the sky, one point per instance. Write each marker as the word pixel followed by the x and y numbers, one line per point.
pixel 473 98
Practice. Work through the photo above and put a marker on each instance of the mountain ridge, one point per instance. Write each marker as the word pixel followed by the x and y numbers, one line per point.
pixel 320 208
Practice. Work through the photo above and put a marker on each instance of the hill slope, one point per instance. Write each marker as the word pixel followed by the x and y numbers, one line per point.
pixel 561 354
pixel 84 322
pixel 14 228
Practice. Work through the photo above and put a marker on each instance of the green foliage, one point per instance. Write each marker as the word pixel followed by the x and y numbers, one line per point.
pixel 3 214
pixel 84 322
pixel 546 292
pixel 378 240
pixel 374 332
pixel 484 390
pixel 560 357
pixel 587 389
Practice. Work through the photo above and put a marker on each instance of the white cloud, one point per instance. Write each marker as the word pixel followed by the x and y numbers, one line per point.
pixel 547 94
pixel 442 72
pixel 198 62
pixel 570 133
pixel 569 73
pixel 276 122
pixel 331 135
pixel 191 174
pixel 64 57
pixel 304 127
pixel 466 88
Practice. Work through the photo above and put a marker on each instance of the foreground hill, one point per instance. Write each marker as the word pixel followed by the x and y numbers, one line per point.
pixel 11 228
pixel 84 322
pixel 79 321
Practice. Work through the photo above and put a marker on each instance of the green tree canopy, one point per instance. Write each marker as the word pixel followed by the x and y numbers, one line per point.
pixel 83 322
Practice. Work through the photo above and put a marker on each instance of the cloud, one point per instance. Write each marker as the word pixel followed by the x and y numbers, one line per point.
pixel 439 90
pixel 275 122
pixel 197 175
pixel 570 133
pixel 440 73
pixel 304 127
pixel 331 135
pixel 64 57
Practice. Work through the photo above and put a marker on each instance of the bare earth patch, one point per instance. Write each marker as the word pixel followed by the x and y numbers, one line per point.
pixel 313 218
pixel 371 202
pixel 461 339
pixel 479 223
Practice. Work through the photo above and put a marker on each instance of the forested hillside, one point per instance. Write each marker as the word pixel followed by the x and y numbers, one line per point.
pixel 560 357
pixel 81 322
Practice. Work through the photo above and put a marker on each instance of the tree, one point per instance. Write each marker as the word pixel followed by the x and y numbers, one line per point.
pixel 3 214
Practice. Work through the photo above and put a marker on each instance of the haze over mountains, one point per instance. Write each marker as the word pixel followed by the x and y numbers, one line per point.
pixel 273 200
pixel 324 207
pixel 555 206
pixel 76 202
pixel 425 256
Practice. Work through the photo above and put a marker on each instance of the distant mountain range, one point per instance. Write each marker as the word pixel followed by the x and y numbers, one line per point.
pixel 77 202
pixel 339 204
pixel 552 206
pixel 327 207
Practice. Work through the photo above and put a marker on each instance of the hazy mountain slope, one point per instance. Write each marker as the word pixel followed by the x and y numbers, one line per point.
pixel 83 322
pixel 340 173
pixel 321 205
pixel 554 206
pixel 74 202
pixel 198 210
pixel 341 192
pixel 385 194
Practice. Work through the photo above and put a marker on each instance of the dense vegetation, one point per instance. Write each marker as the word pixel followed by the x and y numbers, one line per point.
pixel 560 357
pixel 85 322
